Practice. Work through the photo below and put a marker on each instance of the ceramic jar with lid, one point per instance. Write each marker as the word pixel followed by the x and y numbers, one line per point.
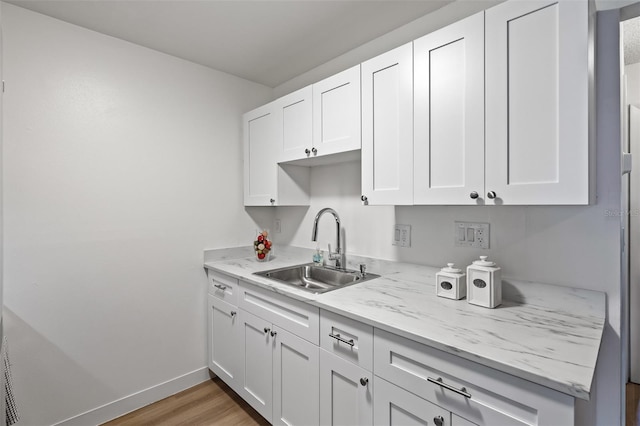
pixel 450 283
pixel 484 283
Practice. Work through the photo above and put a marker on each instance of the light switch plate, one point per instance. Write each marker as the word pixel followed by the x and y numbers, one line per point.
pixel 402 235
pixel 471 234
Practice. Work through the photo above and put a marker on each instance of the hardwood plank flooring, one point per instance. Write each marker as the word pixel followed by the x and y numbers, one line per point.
pixel 209 403
pixel 633 396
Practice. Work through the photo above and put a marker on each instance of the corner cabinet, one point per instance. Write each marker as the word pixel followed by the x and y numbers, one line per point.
pixel 537 102
pixel 261 131
pixel 265 182
pixel 387 128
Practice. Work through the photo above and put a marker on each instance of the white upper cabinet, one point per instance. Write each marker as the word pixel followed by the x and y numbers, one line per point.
pixel 537 103
pixel 265 182
pixel 387 128
pixel 296 112
pixel 336 113
pixel 448 156
pixel 261 135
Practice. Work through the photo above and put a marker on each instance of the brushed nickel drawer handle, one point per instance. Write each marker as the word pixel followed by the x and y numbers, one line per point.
pixel 439 382
pixel 342 339
pixel 220 286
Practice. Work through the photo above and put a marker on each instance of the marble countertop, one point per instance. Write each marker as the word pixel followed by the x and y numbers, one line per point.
pixel 543 333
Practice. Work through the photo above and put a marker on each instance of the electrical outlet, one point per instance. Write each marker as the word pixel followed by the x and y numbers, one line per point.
pixel 471 234
pixel 277 224
pixel 402 235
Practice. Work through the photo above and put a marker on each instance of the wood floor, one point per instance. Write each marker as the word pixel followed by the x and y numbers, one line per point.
pixel 209 403
pixel 633 396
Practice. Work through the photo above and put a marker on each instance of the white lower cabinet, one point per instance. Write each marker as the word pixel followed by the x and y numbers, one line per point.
pixel 279 369
pixel 395 406
pixel 223 341
pixel 346 392
pixel 295 380
pixel 475 392
pixel 256 355
pixel 267 350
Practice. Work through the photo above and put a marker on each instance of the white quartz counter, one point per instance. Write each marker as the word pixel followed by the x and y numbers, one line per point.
pixel 543 333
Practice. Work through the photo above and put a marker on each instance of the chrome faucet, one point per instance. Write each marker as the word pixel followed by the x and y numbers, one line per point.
pixel 338 256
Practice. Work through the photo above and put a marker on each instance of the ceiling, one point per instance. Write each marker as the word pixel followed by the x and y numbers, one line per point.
pixel 265 41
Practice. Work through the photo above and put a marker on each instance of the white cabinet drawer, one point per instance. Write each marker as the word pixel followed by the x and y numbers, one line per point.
pixel 478 393
pixel 347 338
pixel 295 316
pixel 223 287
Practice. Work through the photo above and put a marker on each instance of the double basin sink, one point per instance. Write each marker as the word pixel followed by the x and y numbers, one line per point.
pixel 316 279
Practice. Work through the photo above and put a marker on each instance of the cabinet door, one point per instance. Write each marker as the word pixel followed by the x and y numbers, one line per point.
pixel 295 380
pixel 296 112
pixel 261 135
pixel 395 406
pixel 537 143
pixel 387 127
pixel 346 392
pixel 449 114
pixel 256 356
pixel 223 342
pixel 336 113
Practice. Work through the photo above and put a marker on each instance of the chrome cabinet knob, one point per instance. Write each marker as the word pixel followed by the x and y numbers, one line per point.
pixel 315 151
pixel 273 333
pixel 266 330
pixel 364 381
pixel 233 313
pixel 491 194
pixel 271 200
pixel 363 198
pixel 473 195
pixel 438 421
pixel 306 151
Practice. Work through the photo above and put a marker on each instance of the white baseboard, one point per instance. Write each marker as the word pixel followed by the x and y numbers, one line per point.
pixel 137 400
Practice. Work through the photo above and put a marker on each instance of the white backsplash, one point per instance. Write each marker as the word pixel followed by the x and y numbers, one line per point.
pixel 552 244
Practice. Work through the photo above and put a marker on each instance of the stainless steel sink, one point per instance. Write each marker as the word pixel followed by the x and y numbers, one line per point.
pixel 316 279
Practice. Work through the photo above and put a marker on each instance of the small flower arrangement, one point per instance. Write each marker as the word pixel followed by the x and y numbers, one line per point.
pixel 262 246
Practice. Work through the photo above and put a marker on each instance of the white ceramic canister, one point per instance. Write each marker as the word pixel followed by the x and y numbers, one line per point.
pixel 450 283
pixel 484 283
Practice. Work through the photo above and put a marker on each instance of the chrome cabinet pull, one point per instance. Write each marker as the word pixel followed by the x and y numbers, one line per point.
pixel 336 336
pixel 364 381
pixel 220 286
pixel 438 421
pixel 439 382
pixel 491 194
pixel 473 195
pixel 315 151
pixel 306 151
pixel 233 313
pixel 266 330
pixel 273 333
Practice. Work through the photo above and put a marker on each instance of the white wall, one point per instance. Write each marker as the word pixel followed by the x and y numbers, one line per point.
pixel 632 72
pixel 574 246
pixel 121 166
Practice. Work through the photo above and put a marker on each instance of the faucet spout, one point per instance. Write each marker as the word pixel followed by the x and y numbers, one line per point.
pixel 337 256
